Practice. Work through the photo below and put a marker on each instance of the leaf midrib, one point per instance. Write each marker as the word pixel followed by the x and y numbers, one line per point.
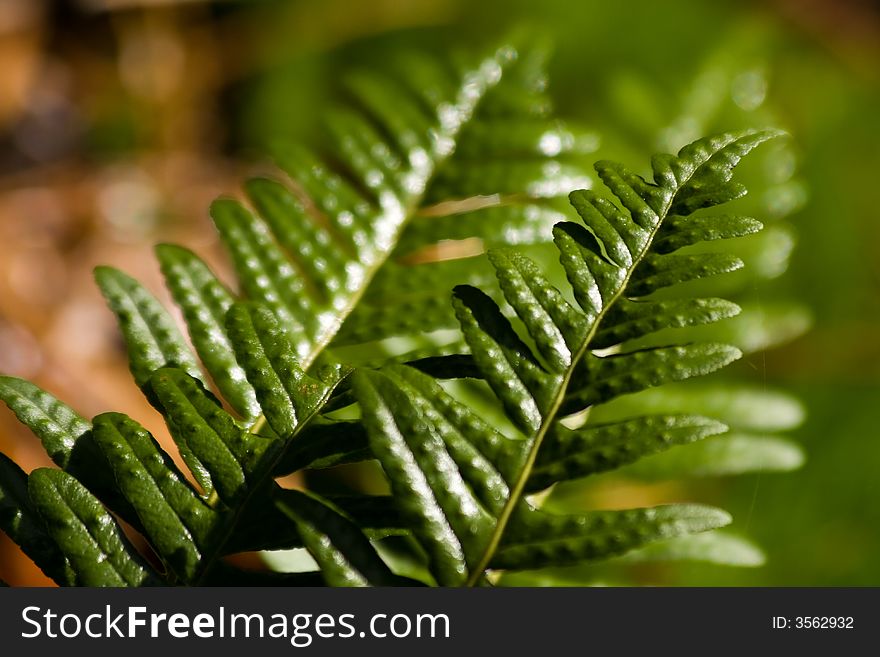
pixel 208 560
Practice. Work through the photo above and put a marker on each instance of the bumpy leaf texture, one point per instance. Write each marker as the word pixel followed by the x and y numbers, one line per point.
pixel 458 482
pixel 304 254
pixel 340 254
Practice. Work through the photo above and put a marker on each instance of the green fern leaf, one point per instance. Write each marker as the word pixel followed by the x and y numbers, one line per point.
pixel 433 496
pixel 510 193
pixel 337 544
pixel 95 547
pixel 151 335
pixel 679 232
pixel 264 272
pixel 433 153
pixel 204 302
pixel 230 454
pixel 609 261
pixel 175 519
pixel 634 319
pixel 537 539
pixel 310 257
pixel 287 395
pixel 57 425
pixel 311 254
pixel 67 438
pixel 22 523
pixel 602 379
pixel 570 454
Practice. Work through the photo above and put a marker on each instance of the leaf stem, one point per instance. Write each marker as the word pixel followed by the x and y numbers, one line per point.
pixel 520 484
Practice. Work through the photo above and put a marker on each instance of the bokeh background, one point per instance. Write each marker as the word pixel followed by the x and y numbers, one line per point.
pixel 120 120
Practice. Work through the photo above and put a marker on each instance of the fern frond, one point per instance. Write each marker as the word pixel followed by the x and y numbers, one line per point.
pixel 460 483
pixel 67 438
pixel 174 517
pixel 572 454
pixel 338 256
pixel 304 255
pixel 310 251
pixel 505 185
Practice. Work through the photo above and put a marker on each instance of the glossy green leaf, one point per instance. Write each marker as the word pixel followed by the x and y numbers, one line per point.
pixel 437 162
pixel 701 172
pixel 151 336
pixel 527 162
pixel 95 547
pixel 287 395
pixel 175 519
pixel 635 319
pixel 569 454
pixel 337 544
pixel 311 247
pixel 594 278
pixel 230 454
pixel 432 494
pixel 505 361
pixel 66 437
pixel 679 232
pixel 488 458
pixel 204 302
pixel 556 327
pixel 20 521
pixel 601 379
pixel 264 272
pixel 656 272
pixel 57 425
pixel 310 255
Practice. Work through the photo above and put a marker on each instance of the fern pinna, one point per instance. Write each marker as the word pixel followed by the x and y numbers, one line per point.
pixel 309 260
